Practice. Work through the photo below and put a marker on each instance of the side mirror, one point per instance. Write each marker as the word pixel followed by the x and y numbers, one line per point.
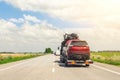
pixel 58 48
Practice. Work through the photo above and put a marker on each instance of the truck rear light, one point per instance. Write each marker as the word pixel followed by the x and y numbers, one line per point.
pixel 86 62
pixel 71 62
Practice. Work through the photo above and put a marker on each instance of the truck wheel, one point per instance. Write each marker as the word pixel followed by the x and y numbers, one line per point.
pixel 61 59
pixel 66 63
pixel 87 65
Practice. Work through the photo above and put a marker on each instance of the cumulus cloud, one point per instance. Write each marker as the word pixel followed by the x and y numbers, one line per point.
pixel 20 20
pixel 31 18
pixel 96 12
pixel 26 18
pixel 28 37
pixel 103 15
pixel 99 38
pixel 36 37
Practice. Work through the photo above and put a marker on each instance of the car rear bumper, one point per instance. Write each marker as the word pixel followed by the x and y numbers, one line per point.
pixel 83 57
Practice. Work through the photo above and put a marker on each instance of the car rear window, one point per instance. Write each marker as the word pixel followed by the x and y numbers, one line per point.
pixel 79 43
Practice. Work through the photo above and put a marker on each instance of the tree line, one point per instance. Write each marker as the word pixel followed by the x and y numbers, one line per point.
pixel 48 50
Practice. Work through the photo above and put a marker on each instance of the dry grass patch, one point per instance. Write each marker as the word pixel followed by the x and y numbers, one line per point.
pixel 5 58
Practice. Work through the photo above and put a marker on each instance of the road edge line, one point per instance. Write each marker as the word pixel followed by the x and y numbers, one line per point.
pixel 106 69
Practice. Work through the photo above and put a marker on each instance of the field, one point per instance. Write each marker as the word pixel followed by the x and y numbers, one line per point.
pixel 10 57
pixel 106 57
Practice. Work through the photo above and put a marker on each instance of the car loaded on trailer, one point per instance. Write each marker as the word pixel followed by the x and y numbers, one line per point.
pixel 74 51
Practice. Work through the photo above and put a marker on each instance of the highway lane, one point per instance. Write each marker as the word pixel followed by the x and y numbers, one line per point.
pixel 48 67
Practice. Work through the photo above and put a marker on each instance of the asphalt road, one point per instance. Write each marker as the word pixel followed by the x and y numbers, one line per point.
pixel 49 68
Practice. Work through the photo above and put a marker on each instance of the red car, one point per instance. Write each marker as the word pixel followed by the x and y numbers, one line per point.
pixel 76 52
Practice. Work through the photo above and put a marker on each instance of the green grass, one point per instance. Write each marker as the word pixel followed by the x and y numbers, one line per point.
pixel 106 57
pixel 11 58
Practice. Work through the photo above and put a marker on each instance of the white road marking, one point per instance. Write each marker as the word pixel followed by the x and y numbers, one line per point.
pixel 106 69
pixel 53 69
pixel 53 64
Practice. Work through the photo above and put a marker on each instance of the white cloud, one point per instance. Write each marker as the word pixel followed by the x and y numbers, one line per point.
pixel 26 18
pixel 35 37
pixel 99 38
pixel 20 20
pixel 28 37
pixel 96 12
pixel 31 18
pixel 103 15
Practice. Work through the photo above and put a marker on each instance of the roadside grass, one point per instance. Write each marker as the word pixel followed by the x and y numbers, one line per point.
pixel 106 57
pixel 6 58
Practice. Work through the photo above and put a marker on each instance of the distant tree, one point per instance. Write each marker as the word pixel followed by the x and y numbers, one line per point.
pixel 45 50
pixel 48 50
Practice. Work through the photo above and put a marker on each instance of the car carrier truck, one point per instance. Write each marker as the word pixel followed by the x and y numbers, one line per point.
pixel 74 51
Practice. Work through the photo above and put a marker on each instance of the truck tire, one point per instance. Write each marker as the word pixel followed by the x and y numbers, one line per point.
pixel 66 63
pixel 87 65
pixel 62 60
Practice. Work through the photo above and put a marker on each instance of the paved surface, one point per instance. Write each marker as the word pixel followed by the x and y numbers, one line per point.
pixel 48 68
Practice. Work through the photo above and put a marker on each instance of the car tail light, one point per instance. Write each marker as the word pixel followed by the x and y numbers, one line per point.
pixel 79 48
